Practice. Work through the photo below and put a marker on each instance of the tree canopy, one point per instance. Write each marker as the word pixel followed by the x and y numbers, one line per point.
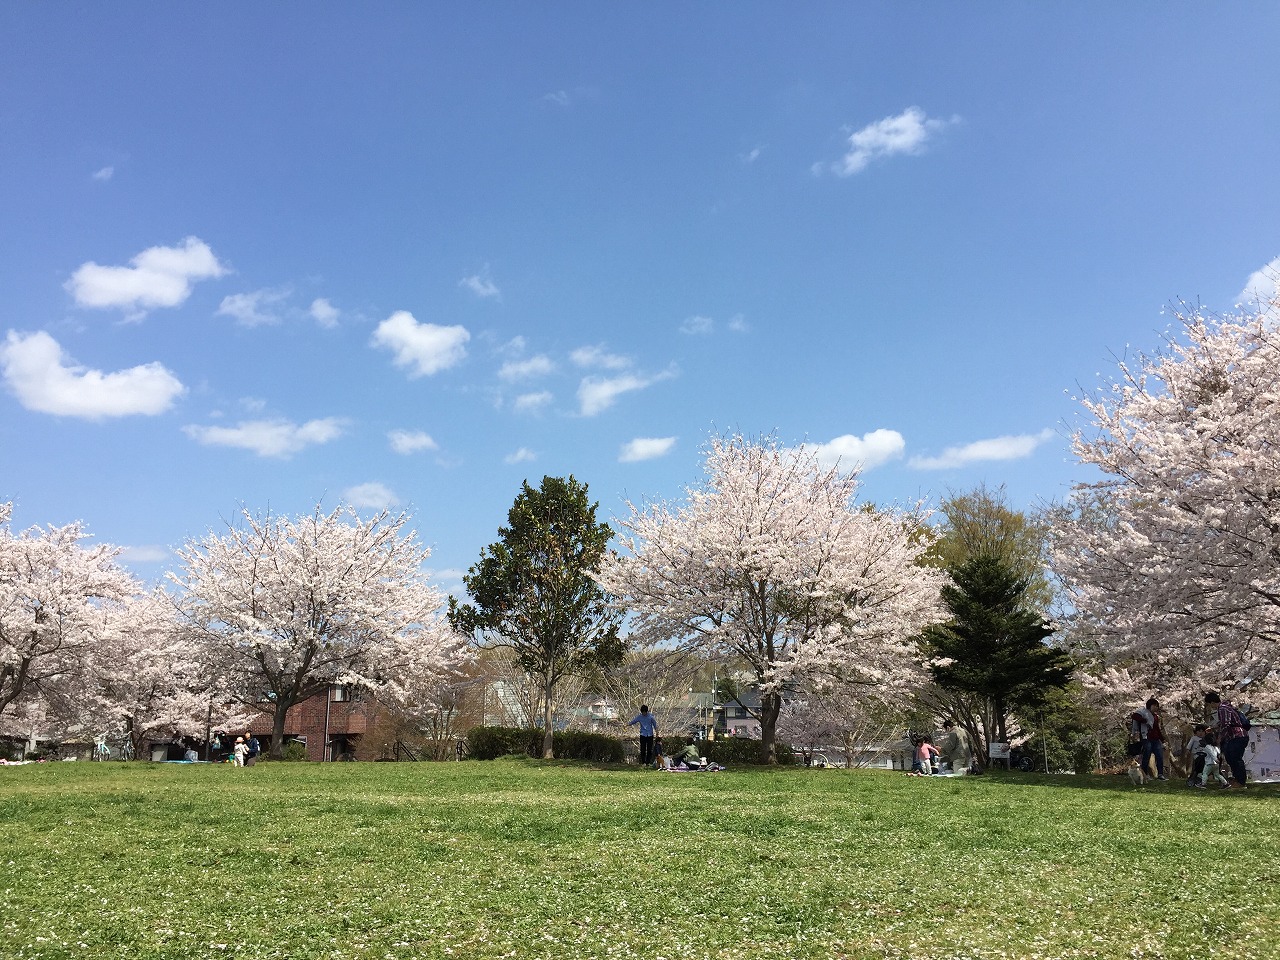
pixel 288 606
pixel 534 589
pixel 57 596
pixel 993 646
pixel 771 565
pixel 1176 551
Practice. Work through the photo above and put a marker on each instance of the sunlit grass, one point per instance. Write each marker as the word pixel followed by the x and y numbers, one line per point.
pixel 512 859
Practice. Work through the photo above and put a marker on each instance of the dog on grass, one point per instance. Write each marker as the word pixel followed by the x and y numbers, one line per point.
pixel 1136 775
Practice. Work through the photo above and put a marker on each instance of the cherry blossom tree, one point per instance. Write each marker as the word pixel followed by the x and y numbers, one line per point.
pixel 149 678
pixel 857 720
pixel 771 564
pixel 56 597
pixel 1175 553
pixel 289 606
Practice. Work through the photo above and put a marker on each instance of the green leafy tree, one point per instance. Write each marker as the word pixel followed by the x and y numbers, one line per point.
pixel 980 522
pixel 534 592
pixel 994 646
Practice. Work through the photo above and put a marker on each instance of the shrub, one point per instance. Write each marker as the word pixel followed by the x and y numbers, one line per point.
pixel 731 751
pixel 294 751
pixel 581 745
pixel 489 743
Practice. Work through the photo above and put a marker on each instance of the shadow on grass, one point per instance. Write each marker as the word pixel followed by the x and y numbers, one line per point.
pixel 1115 783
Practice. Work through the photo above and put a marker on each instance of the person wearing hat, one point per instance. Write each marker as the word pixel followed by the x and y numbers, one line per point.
pixel 239 752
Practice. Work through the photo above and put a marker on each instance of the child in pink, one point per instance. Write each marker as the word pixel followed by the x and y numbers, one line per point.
pixel 925 752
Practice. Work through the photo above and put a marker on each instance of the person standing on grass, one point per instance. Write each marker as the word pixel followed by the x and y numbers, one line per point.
pixel 239 752
pixel 1146 724
pixel 252 749
pixel 1194 752
pixel 648 730
pixel 1232 735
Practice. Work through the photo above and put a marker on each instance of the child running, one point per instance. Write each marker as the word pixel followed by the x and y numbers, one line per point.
pixel 1212 762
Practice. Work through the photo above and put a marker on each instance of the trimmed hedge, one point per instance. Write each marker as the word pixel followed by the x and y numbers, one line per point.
pixel 489 743
pixel 732 751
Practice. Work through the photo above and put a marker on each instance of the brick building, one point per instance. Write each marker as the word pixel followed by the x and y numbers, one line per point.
pixel 334 719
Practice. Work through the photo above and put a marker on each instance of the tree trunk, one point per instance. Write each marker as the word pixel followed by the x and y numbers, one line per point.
pixel 277 729
pixel 770 709
pixel 135 738
pixel 548 736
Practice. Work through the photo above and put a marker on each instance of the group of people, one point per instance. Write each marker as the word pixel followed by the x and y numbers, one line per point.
pixel 953 747
pixel 245 751
pixel 652 755
pixel 1216 745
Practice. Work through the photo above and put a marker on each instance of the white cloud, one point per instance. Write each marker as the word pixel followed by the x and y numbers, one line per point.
pixel 599 357
pixel 1262 286
pixel 481 285
pixel 324 313
pixel 523 455
pixel 907 133
pixel 269 438
pixel 159 277
pixel 150 553
pixel 558 97
pixel 596 394
pixel 411 441
pixel 424 348
pixel 513 347
pixel 43 379
pixel 105 174
pixel 697 325
pixel 996 448
pixel 866 452
pixel 538 366
pixel 373 495
pixel 532 402
pixel 253 309
pixel 646 448
pixel 738 323
pixel 751 155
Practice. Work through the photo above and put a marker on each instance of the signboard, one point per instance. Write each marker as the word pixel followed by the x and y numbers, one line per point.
pixel 998 751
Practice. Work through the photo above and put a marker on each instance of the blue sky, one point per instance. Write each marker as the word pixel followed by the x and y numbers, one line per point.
pixel 268 254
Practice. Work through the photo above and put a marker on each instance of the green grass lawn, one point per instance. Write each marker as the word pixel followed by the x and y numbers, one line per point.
pixel 513 859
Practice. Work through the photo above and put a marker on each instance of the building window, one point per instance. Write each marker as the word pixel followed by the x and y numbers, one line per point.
pixel 338 694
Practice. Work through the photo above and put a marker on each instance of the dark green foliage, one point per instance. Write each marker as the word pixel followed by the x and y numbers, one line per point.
pixel 995 641
pixel 1065 725
pixel 733 751
pixel 489 743
pixel 595 747
pixel 533 590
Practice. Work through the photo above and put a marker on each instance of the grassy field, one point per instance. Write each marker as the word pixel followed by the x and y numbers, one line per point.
pixel 515 859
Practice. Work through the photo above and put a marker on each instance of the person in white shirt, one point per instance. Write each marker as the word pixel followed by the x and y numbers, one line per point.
pixel 1212 762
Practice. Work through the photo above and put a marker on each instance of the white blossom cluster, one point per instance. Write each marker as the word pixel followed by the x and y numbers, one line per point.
pixel 771 563
pixel 1173 559
pixel 275 609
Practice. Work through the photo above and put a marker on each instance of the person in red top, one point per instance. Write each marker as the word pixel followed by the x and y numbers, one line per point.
pixel 1146 724
pixel 1226 721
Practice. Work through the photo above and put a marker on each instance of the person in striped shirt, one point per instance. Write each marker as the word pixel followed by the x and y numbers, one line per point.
pixel 1229 725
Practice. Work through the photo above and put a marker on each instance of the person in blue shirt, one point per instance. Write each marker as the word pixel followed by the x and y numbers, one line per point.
pixel 648 730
